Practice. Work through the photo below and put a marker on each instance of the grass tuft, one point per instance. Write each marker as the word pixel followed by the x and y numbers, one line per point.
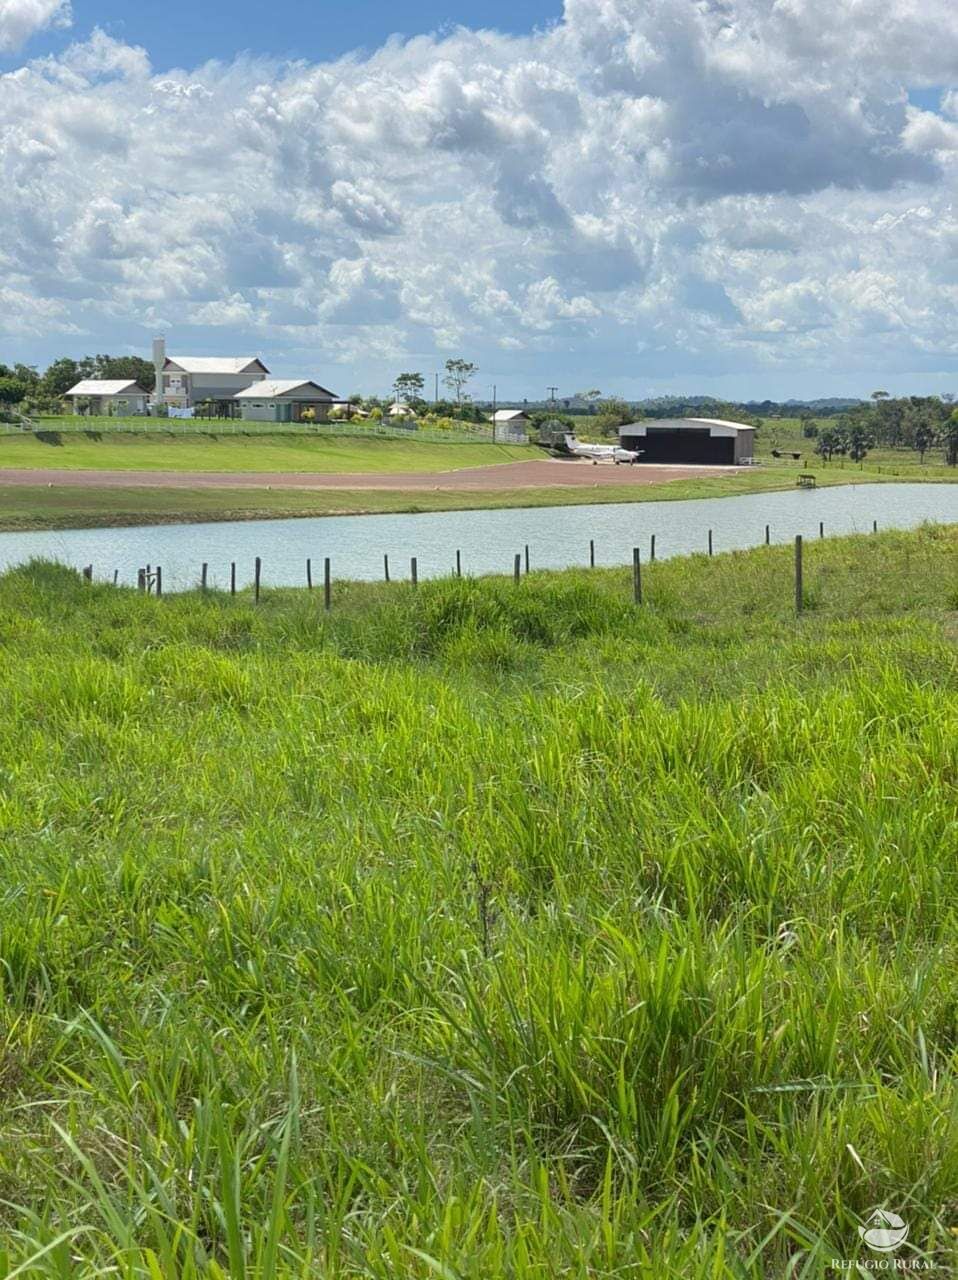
pixel 482 929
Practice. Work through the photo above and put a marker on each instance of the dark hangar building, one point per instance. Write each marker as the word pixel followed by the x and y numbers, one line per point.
pixel 691 441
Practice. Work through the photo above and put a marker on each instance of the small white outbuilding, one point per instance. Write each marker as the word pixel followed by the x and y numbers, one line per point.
pixel 512 425
pixel 100 397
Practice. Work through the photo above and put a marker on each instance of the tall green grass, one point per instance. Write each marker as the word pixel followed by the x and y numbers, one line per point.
pixel 482 930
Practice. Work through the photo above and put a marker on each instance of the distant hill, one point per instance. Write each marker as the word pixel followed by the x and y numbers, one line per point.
pixel 833 402
pixel 694 406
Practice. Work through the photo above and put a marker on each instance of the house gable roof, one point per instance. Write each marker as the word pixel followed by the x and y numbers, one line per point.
pixel 106 387
pixel 508 415
pixel 275 389
pixel 215 364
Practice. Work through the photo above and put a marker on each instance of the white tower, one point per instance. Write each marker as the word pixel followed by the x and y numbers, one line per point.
pixel 159 361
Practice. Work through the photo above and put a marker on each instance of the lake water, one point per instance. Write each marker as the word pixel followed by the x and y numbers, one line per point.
pixel 557 536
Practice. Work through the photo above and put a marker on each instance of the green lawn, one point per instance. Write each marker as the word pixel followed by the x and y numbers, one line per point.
pixel 482 930
pixel 156 451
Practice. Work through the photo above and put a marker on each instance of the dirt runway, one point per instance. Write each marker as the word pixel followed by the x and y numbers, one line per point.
pixel 537 473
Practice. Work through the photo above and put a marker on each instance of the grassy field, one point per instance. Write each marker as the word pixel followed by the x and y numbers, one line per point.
pixel 156 451
pixel 50 507
pixel 482 930
pixel 65 507
pixel 785 434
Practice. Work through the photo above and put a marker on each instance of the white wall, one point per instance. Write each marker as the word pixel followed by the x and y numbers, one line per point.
pixel 208 386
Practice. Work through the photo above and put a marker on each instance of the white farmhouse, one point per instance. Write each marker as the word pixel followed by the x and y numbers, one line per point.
pixel 279 401
pixel 108 396
pixel 182 382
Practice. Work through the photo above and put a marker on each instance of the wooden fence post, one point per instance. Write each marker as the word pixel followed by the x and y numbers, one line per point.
pixel 637 574
pixel 710 541
pixel 821 528
pixel 592 553
pixel 799 598
pixel 88 573
pixel 233 578
pixel 652 548
pixel 385 567
pixel 257 573
pixel 517 568
pixel 327 585
pixel 768 535
pixel 159 581
pixel 874 526
pixel 141 579
pixel 309 574
pixel 458 563
pixel 203 573
pixel 414 570
pixel 527 557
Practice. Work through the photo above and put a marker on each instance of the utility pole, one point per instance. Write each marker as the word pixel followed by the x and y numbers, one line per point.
pixel 435 398
pixel 493 413
pixel 552 397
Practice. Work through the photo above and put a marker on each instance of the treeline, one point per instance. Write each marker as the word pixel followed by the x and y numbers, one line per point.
pixel 918 423
pixel 23 387
pixel 467 411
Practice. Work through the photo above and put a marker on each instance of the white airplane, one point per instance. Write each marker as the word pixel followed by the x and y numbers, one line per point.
pixel 601 452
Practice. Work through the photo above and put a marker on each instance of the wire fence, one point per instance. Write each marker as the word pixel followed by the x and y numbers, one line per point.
pixel 811 574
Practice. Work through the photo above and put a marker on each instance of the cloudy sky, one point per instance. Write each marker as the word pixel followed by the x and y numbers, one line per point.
pixel 748 197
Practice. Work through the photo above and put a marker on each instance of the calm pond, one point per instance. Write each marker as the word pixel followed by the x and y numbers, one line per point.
pixel 557 537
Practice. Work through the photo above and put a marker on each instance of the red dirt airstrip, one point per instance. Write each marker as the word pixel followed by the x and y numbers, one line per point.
pixel 537 473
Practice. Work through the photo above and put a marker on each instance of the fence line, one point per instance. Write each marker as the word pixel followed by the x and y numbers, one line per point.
pixel 150 579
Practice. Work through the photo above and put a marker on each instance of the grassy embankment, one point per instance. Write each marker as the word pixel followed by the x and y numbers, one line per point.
pixel 482 930
pixel 119 451
pixel 43 506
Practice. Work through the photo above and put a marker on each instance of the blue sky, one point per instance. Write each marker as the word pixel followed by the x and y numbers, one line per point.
pixel 637 195
pixel 179 33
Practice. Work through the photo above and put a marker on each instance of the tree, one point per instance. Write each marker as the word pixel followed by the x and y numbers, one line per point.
pixel 924 439
pixel 13 390
pixel 831 441
pixel 613 407
pixel 408 386
pixel 133 368
pixel 859 441
pixel 458 374
pixel 949 437
pixel 60 376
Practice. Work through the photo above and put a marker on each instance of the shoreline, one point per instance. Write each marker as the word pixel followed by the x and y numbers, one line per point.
pixel 301 504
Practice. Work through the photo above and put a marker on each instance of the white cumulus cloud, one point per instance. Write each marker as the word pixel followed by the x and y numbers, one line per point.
pixel 20 19
pixel 651 191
